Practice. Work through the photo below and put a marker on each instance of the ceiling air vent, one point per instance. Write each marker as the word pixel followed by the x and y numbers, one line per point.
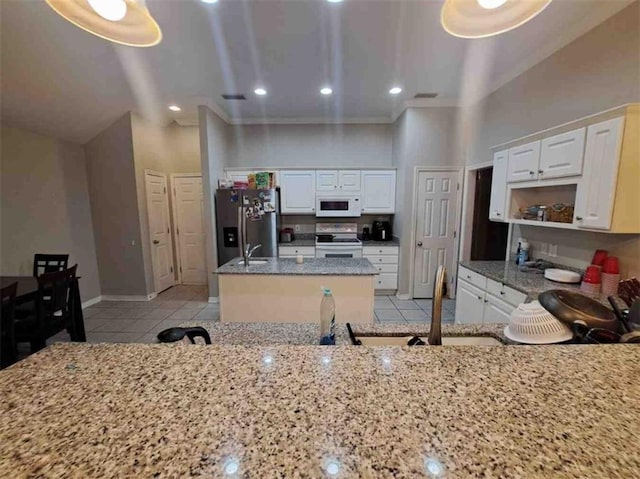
pixel 425 95
pixel 234 96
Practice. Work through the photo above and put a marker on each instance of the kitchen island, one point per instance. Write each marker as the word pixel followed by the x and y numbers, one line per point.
pixel 280 290
pixel 133 410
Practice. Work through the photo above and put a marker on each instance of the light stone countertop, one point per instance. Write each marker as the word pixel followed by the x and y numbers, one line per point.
pixel 299 243
pixel 135 410
pixel 310 267
pixel 531 284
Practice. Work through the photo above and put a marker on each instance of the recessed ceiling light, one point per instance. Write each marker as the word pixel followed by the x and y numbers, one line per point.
pixel 338 1
pixel 175 108
pixel 326 91
pixel 215 1
pixel 260 91
pixel 395 90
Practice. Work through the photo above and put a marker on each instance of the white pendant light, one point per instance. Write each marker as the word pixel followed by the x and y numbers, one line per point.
pixel 121 21
pixel 485 18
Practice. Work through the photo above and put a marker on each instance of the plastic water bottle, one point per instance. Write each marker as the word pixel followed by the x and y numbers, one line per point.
pixel 327 318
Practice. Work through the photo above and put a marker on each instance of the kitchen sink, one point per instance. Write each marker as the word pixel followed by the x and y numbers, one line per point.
pixel 253 262
pixel 446 340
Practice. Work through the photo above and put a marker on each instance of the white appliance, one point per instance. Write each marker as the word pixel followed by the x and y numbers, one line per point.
pixel 338 240
pixel 337 205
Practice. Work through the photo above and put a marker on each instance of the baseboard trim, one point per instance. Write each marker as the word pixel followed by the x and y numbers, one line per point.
pixel 403 296
pixel 91 302
pixel 126 297
pixel 214 299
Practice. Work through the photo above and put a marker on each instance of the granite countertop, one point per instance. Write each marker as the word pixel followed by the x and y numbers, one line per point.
pixel 299 243
pixel 531 284
pixel 310 267
pixel 134 410
pixel 393 242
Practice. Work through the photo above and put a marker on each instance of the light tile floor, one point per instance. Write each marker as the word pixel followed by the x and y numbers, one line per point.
pixel 140 322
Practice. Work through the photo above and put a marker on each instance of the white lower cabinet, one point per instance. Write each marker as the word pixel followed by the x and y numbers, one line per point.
pixel 294 251
pixel 483 300
pixel 385 260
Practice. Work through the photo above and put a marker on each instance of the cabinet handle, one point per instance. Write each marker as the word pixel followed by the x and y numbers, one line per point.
pixel 531 172
pixel 480 298
pixel 468 276
pixel 497 214
pixel 502 293
pixel 380 251
pixel 578 218
pixel 540 171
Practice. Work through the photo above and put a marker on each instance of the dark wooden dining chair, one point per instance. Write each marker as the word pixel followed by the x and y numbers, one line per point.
pixel 8 352
pixel 53 313
pixel 49 263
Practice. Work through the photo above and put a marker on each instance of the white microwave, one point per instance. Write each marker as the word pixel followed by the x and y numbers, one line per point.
pixel 332 205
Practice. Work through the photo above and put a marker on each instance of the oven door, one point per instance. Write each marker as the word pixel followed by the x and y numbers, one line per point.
pixel 337 206
pixel 338 251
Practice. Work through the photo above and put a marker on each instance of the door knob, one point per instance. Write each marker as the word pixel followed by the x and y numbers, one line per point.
pixel 419 243
pixel 578 218
pixel 156 242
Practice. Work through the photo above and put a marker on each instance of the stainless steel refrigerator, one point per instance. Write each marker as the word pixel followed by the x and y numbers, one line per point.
pixel 261 212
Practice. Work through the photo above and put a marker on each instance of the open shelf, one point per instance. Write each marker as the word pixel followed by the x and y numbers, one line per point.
pixel 522 197
pixel 548 224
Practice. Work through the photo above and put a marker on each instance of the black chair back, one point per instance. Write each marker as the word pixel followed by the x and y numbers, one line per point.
pixel 53 293
pixel 49 263
pixel 7 335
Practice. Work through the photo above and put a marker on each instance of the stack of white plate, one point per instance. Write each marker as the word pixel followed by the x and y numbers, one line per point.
pixel 562 275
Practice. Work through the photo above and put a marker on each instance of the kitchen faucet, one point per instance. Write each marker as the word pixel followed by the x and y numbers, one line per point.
pixel 248 252
pixel 435 332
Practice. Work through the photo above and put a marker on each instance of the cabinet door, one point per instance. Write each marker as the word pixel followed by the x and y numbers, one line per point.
pixel 496 311
pixel 597 190
pixel 469 303
pixel 378 191
pixel 523 162
pixel 349 180
pixel 497 204
pixel 326 180
pixel 237 175
pixel 561 155
pixel 298 191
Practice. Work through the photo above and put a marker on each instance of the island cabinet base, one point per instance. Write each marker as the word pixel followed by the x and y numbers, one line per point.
pixel 293 298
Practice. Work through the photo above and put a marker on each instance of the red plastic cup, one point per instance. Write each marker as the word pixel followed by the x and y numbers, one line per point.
pixel 611 265
pixel 599 257
pixel 592 275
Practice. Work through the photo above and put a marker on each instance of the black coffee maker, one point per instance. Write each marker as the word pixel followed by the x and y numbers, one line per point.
pixel 381 231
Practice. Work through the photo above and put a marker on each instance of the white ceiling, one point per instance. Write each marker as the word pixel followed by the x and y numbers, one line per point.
pixel 59 80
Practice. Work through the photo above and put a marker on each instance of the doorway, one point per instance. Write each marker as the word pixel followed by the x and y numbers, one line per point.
pixel 488 238
pixel 188 220
pixel 437 200
pixel 159 229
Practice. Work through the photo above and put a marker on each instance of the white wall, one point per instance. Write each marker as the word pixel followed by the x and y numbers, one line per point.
pixel 422 137
pixel 214 150
pixel 45 206
pixel 301 146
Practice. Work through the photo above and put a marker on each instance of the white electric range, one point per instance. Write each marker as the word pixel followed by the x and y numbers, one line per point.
pixel 338 240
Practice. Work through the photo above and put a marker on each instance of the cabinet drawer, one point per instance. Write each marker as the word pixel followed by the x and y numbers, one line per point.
pixel 386 267
pixel 382 259
pixel 386 281
pixel 380 250
pixel 505 293
pixel 294 257
pixel 294 251
pixel 472 277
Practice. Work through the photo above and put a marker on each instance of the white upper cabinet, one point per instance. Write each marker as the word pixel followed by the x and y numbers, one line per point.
pixel 326 180
pixel 497 204
pixel 561 155
pixel 596 193
pixel 523 162
pixel 378 191
pixel 298 191
pixel 349 180
pixel 337 180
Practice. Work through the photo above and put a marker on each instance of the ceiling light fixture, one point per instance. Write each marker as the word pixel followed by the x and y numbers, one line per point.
pixel 326 91
pixel 127 22
pixel 485 18
pixel 334 1
pixel 175 108
pixel 396 90
pixel 209 1
pixel 260 91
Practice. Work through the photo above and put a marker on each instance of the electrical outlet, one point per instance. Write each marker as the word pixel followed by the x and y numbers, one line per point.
pixel 553 250
pixel 297 228
pixel 544 248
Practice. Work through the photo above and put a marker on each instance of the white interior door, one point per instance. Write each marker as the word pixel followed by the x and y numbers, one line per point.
pixel 189 223
pixel 161 244
pixel 435 228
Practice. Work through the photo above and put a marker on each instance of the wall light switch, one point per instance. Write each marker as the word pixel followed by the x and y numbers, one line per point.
pixel 133 242
pixel 544 248
pixel 553 250
pixel 297 228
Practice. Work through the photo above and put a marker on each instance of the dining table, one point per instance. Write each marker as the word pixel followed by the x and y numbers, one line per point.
pixel 28 291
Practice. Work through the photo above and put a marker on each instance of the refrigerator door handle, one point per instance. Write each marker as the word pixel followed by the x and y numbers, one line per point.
pixel 240 231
